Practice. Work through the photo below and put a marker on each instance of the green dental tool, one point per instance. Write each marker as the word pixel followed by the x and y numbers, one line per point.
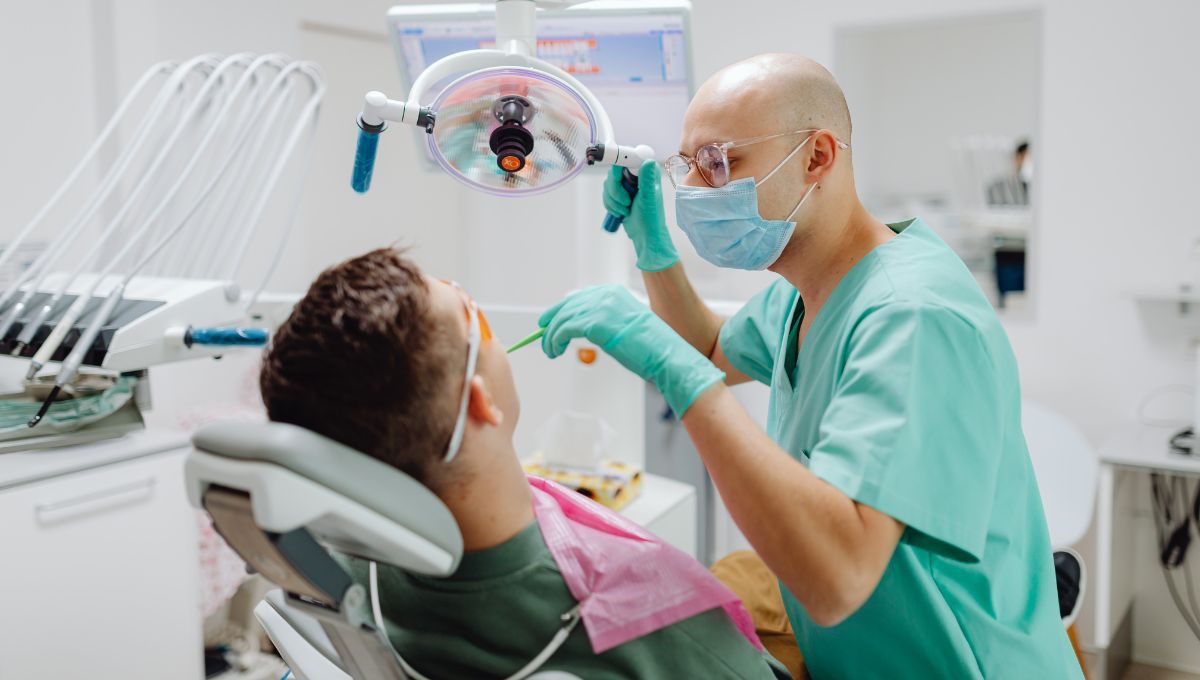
pixel 536 335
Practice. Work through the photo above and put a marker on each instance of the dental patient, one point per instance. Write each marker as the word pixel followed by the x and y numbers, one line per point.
pixel 374 356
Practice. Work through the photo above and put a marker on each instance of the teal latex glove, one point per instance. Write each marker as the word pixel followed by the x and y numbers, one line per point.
pixel 624 328
pixel 643 215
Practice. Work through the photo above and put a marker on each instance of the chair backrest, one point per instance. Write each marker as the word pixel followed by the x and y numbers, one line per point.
pixel 284 497
pixel 301 641
pixel 1067 470
pixel 347 500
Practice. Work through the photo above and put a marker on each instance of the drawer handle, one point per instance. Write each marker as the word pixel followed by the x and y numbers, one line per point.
pixel 96 501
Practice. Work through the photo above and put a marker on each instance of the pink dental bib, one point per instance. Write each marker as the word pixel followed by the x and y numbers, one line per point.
pixel 629 582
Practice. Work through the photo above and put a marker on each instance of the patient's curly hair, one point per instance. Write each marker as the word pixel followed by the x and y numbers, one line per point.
pixel 364 359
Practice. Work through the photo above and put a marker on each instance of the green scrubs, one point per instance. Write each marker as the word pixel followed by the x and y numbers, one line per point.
pixel 904 396
pixel 502 607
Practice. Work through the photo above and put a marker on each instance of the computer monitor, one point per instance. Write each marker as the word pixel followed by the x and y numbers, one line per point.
pixel 635 56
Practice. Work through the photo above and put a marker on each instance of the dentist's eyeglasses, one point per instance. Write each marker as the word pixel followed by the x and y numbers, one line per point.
pixel 712 160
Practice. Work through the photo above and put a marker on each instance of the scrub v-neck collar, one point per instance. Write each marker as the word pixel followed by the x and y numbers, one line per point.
pixel 793 354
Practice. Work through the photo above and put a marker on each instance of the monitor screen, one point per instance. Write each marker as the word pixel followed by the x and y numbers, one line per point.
pixel 635 62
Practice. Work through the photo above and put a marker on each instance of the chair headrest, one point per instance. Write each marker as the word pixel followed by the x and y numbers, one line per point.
pixel 343 496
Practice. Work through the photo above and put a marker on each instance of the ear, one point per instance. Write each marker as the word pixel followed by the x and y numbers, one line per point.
pixel 480 405
pixel 824 153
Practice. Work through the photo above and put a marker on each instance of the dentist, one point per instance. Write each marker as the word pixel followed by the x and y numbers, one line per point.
pixel 892 493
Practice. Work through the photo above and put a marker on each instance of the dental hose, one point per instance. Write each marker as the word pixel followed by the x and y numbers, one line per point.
pixel 75 358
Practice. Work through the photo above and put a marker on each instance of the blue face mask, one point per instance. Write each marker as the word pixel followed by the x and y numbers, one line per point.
pixel 725 228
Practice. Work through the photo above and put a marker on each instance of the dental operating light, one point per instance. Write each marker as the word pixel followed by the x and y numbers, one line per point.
pixel 509 123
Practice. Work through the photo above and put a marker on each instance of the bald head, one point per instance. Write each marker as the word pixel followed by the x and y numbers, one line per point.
pixel 770 96
pixel 766 94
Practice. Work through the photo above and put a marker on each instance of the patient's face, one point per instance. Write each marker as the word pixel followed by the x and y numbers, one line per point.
pixel 492 364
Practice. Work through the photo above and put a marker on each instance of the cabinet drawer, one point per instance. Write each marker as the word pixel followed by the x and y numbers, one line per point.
pixel 99 574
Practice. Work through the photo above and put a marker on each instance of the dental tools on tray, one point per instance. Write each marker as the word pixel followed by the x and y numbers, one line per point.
pixel 160 244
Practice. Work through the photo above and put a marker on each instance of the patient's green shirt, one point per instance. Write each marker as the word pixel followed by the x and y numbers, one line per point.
pixel 502 607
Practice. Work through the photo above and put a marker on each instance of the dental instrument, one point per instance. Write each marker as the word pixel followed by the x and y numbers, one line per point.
pixel 529 339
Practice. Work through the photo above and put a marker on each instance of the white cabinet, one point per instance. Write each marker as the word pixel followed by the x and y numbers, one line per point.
pixel 99 569
pixel 667 509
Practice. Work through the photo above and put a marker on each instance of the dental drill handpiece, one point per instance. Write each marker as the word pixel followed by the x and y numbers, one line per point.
pixel 31 327
pixel 71 364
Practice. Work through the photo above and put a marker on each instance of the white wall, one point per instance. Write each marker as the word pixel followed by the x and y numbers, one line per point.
pixel 49 112
pixel 913 87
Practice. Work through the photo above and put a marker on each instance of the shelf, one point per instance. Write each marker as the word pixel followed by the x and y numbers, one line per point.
pixel 1173 296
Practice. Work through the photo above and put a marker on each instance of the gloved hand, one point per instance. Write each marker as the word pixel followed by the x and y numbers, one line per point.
pixel 643 215
pixel 610 317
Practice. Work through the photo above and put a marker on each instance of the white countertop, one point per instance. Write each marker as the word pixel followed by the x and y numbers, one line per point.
pixel 659 495
pixel 1142 446
pixel 25 467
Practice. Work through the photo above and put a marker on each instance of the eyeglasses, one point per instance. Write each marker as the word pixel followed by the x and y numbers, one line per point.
pixel 478 332
pixel 712 160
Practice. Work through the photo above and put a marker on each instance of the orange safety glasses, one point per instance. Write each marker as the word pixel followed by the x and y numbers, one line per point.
pixel 485 329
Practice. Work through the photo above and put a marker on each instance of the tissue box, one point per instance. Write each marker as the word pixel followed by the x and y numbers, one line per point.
pixel 614 485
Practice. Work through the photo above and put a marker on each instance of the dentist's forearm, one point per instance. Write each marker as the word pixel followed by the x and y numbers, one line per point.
pixel 675 301
pixel 828 550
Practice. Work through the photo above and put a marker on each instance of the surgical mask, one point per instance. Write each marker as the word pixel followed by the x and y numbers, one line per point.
pixel 724 224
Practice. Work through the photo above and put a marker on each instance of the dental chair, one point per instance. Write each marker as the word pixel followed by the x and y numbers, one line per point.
pixel 283 497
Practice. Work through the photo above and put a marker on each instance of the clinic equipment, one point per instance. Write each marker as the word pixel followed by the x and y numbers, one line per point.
pixel 62 416
pixel 529 339
pixel 633 55
pixel 284 498
pixel 510 123
pixel 153 271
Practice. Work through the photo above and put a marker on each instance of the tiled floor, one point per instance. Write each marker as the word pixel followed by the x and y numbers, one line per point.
pixel 1139 672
